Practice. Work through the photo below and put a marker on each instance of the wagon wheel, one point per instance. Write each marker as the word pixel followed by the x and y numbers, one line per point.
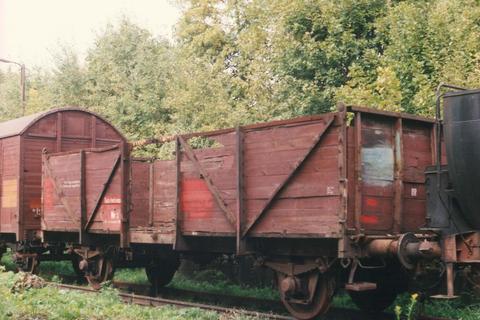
pixel 27 264
pixel 161 275
pixel 390 282
pixel 297 304
pixel 76 266
pixel 100 269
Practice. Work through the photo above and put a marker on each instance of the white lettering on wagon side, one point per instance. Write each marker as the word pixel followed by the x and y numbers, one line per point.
pixel 70 184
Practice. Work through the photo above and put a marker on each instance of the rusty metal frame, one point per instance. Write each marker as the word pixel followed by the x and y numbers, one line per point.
pixel 206 177
pixel 103 192
pixel 328 121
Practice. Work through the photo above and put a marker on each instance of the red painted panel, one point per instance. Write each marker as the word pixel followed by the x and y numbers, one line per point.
pixel 199 210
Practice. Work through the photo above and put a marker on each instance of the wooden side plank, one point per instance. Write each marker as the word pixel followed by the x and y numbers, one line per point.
pixel 212 188
pixel 272 198
pixel 102 193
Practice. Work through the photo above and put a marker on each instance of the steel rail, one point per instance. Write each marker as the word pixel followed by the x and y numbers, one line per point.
pixel 143 300
pixel 156 302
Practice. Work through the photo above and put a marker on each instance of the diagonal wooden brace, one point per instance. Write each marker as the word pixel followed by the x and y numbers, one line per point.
pixel 103 192
pixel 211 187
pixel 282 186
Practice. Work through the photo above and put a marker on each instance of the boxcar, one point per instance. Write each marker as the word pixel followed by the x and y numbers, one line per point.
pixel 22 143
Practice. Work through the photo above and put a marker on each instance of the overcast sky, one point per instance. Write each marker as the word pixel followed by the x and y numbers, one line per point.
pixel 30 30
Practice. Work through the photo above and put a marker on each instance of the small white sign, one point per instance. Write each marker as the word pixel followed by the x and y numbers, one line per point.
pixel 330 190
pixel 414 192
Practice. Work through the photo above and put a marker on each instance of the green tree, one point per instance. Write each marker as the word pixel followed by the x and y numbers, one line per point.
pixel 127 72
pixel 10 104
pixel 423 43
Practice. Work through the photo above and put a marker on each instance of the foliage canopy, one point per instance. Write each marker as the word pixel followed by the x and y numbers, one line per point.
pixel 242 61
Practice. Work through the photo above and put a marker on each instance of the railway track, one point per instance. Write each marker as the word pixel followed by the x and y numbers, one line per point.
pixel 140 294
pixel 157 302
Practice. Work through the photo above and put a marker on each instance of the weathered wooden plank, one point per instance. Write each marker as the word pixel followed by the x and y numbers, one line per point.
pixel 102 193
pixel 213 189
pixel 59 193
pixel 270 201
pixel 398 176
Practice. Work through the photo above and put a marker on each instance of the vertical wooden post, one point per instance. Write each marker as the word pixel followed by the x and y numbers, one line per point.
pixel 342 179
pixel 450 280
pixel 125 182
pixel 59 131
pixel 358 171
pixel 179 241
pixel 240 221
pixel 398 177
pixel 93 131
pixel 20 191
pixel 151 192
pixel 83 194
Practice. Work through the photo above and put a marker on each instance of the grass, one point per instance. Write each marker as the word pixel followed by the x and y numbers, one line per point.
pixel 464 308
pixel 205 281
pixel 136 275
pixel 52 303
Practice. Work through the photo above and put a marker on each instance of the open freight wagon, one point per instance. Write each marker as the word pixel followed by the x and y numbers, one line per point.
pixel 306 196
pixel 309 178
